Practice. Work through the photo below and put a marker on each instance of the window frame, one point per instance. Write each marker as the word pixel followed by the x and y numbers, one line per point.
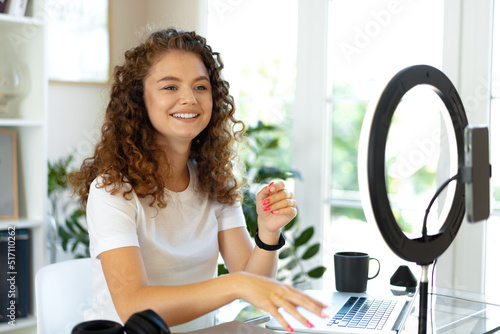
pixel 466 61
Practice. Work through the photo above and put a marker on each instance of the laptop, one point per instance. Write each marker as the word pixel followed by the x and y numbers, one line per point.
pixel 352 313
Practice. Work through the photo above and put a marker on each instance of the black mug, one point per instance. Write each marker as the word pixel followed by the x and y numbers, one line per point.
pixel 351 271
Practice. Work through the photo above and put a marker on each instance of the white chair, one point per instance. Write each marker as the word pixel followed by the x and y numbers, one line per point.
pixel 63 293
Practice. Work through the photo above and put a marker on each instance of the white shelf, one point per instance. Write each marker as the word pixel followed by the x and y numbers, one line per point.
pixel 20 224
pixel 25 38
pixel 20 122
pixel 10 20
pixel 22 323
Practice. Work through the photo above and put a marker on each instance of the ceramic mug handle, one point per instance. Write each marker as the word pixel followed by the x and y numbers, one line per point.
pixel 378 270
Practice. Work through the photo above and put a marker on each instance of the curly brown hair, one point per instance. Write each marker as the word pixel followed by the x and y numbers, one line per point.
pixel 128 152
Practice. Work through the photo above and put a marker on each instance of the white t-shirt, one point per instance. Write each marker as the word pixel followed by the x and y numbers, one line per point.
pixel 179 244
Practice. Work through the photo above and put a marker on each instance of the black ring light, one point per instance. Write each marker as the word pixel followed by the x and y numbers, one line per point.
pixel 426 249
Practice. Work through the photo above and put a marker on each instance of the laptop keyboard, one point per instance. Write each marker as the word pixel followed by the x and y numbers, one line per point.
pixel 361 312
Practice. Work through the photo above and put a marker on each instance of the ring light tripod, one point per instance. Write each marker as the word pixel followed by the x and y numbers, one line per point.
pixel 426 249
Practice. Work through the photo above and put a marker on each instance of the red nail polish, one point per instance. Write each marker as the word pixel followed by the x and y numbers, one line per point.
pixel 274 212
pixel 310 325
pixel 269 187
pixel 267 208
pixel 290 329
pixel 266 201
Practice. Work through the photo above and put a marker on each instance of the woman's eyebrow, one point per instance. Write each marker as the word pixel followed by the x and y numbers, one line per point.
pixel 173 78
pixel 169 78
pixel 202 77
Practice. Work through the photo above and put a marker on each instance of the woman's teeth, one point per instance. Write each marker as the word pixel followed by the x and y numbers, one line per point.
pixel 185 115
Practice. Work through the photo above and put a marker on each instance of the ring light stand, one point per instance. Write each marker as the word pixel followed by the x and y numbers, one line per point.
pixel 426 249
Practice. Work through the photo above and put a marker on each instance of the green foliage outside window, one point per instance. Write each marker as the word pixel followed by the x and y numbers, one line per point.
pixel 346 128
pixel 348 113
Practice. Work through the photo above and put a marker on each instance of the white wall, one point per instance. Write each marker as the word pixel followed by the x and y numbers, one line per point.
pixel 76 110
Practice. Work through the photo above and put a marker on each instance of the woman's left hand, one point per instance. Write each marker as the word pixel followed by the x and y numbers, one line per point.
pixel 275 207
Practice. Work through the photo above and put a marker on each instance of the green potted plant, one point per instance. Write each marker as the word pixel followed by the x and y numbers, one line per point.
pixel 65 215
pixel 259 152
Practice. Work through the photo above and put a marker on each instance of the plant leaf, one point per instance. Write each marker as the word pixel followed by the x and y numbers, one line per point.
pixel 285 253
pixel 272 144
pixel 77 214
pixel 317 272
pixel 64 244
pixel 290 265
pixel 222 270
pixel 298 277
pixel 291 224
pixel 304 237
pixel 311 251
pixel 81 229
pixel 71 226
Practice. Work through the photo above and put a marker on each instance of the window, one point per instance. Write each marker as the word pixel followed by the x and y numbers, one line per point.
pixel 369 42
pixel 346 52
pixel 258 42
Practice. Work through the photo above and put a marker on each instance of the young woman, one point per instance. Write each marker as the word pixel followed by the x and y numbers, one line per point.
pixel 162 201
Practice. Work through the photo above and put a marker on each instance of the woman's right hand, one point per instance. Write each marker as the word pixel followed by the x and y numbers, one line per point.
pixel 269 295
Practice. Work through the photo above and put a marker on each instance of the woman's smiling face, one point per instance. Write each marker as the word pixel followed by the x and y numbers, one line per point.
pixel 178 96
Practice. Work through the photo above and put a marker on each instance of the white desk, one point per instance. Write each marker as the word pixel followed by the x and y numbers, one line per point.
pixel 459 312
pixel 451 312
